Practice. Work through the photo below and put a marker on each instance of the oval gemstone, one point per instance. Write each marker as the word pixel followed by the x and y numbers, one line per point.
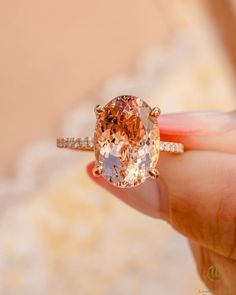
pixel 126 141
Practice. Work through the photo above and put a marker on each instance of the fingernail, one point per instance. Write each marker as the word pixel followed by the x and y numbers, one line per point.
pixel 149 197
pixel 194 122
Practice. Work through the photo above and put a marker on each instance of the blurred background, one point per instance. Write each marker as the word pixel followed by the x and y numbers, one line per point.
pixel 59 232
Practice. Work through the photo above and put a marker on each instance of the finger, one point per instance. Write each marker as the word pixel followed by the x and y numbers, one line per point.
pixel 213 131
pixel 136 197
pixel 216 271
pixel 200 187
pixel 195 193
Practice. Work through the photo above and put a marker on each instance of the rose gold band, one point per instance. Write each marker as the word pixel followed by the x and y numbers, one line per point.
pixel 86 144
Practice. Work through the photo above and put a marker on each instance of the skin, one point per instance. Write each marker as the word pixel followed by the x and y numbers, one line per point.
pixel 196 191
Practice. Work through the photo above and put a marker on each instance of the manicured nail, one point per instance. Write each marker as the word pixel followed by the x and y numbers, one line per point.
pixel 194 123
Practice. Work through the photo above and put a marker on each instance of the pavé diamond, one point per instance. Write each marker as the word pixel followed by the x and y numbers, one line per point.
pixel 127 141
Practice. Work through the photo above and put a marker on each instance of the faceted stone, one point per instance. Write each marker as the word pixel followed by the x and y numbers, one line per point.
pixel 126 141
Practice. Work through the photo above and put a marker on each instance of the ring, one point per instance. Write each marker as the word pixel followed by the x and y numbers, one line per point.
pixel 126 142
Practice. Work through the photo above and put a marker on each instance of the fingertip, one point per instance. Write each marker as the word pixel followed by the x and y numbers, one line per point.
pixel 146 198
pixel 89 169
pixel 98 179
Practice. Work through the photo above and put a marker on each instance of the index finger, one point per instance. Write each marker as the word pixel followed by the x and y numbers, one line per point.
pixel 213 131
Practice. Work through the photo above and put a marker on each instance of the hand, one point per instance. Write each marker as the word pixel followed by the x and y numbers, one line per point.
pixel 196 191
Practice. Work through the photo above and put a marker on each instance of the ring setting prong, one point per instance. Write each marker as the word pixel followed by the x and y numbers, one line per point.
pixel 155 113
pixel 97 170
pixel 99 110
pixel 154 173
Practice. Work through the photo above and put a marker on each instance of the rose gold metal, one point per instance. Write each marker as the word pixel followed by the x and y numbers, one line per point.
pixel 76 143
pixel 86 144
pixel 154 173
pixel 155 113
pixel 97 170
pixel 98 110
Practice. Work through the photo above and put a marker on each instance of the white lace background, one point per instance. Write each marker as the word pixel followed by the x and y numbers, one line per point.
pixel 62 234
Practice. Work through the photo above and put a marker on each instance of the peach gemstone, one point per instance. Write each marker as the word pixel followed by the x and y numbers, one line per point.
pixel 126 141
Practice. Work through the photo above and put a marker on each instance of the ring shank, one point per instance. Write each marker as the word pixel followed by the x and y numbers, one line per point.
pixel 86 144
